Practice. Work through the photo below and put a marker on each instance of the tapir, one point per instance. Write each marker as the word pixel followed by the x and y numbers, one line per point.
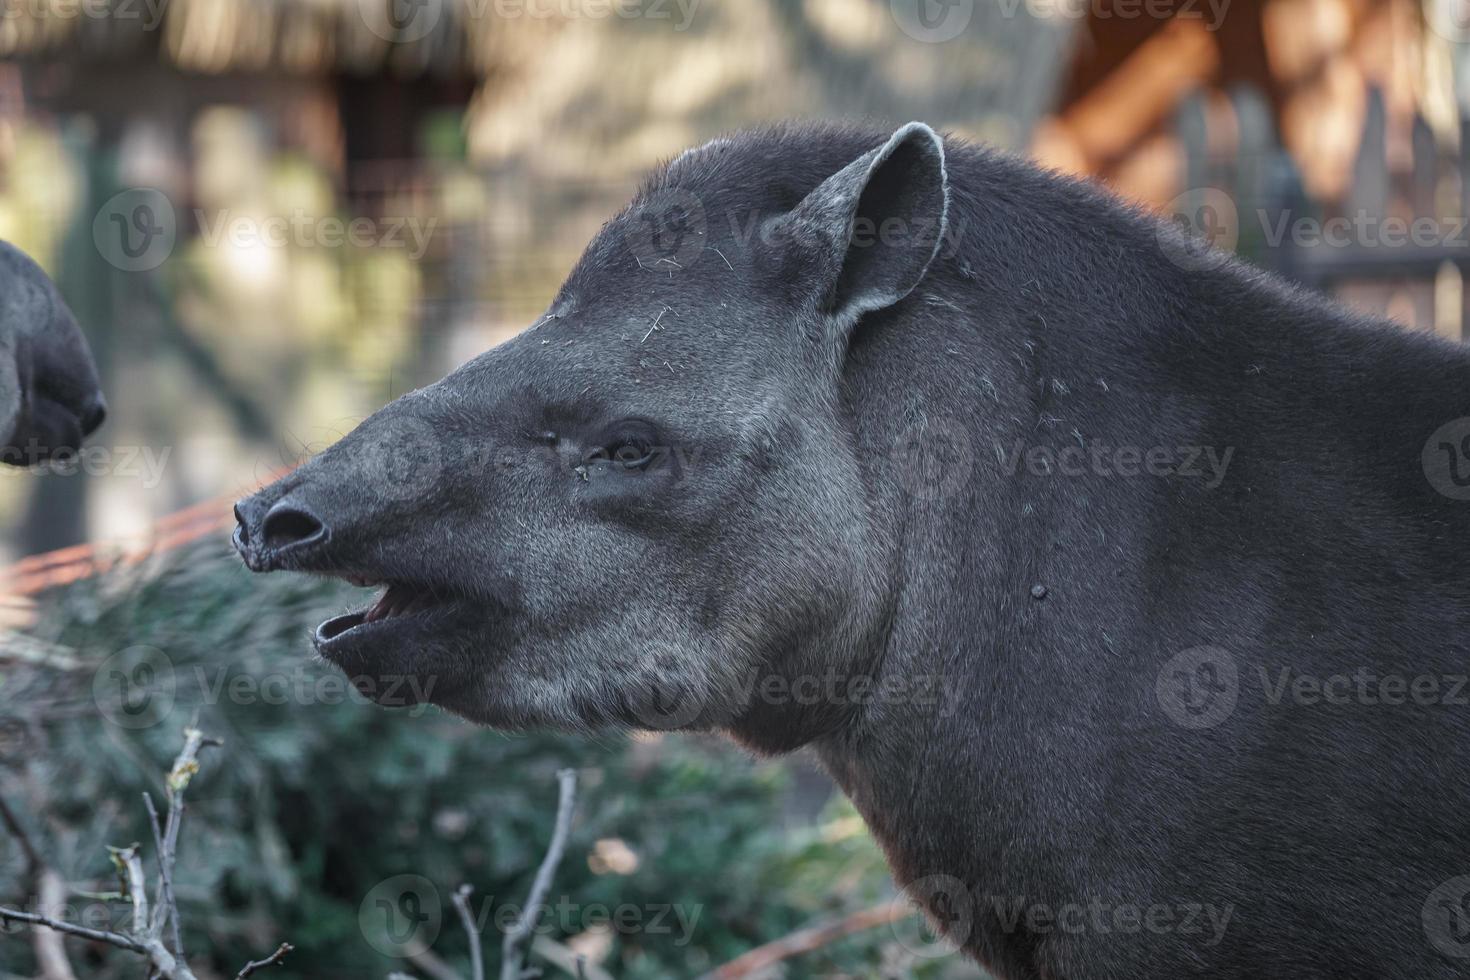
pixel 1123 587
pixel 50 398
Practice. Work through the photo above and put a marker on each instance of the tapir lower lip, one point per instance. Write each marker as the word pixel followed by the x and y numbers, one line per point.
pixel 337 625
pixel 409 613
pixel 335 632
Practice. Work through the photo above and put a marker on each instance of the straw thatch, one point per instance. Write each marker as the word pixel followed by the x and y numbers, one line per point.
pixel 216 36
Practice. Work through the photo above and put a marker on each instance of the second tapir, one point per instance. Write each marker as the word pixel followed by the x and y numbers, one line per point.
pixel 50 399
pixel 1037 522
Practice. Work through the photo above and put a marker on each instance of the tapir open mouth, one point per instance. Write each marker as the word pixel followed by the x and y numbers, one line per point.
pixel 402 604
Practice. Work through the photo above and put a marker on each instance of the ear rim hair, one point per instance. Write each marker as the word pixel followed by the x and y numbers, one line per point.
pixel 823 224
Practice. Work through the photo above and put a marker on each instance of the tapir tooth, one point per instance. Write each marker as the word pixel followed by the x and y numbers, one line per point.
pixel 379 609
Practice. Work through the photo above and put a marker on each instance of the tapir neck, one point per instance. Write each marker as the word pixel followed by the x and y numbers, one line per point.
pixel 1080 484
pixel 926 388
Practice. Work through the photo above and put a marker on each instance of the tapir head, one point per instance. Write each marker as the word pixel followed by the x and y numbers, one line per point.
pixel 652 499
pixel 50 399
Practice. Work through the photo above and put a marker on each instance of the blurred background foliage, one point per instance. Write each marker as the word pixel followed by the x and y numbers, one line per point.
pixel 315 798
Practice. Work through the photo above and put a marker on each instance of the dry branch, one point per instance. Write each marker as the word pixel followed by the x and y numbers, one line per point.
pixel 50 947
pixel 145 936
pixel 164 908
pixel 249 968
pixel 518 937
pixel 51 892
pixel 467 919
pixel 571 963
pixel 806 940
pixel 97 935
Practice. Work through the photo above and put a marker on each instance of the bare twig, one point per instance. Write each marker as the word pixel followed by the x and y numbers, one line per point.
pixel 467 919
pixel 271 960
pixel 51 891
pixel 572 964
pixel 130 866
pixel 50 947
pixel 806 940
pixel 145 937
pixel 186 764
pixel 164 963
pixel 518 937
pixel 30 650
pixel 424 959
pixel 164 909
pixel 96 935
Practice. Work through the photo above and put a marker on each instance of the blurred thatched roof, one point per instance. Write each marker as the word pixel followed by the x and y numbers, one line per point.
pixel 610 95
pixel 445 37
pixel 635 84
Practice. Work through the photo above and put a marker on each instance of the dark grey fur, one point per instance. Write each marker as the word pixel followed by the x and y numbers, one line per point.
pixel 1054 769
pixel 49 395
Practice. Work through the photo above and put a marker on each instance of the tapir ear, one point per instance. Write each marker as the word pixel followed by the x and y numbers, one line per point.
pixel 876 225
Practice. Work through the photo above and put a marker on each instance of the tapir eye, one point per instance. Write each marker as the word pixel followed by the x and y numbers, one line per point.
pixel 633 455
pixel 631 445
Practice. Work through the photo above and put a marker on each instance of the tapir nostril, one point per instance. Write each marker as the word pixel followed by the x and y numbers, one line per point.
pixel 288 525
pixel 242 526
